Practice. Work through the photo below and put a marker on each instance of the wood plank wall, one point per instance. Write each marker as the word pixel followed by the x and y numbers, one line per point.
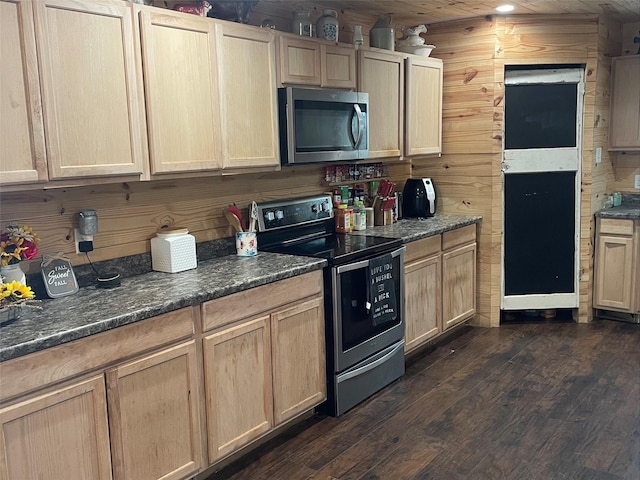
pixel 475 53
pixel 130 214
pixel 464 175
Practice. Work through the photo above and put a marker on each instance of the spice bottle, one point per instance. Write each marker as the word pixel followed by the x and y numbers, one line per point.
pixel 343 219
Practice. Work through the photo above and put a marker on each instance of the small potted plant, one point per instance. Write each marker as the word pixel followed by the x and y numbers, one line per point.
pixel 13 297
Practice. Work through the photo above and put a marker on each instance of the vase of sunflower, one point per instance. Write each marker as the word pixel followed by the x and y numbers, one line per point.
pixel 17 243
pixel 13 298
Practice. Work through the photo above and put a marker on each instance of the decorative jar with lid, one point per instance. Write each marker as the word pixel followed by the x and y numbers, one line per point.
pixel 327 25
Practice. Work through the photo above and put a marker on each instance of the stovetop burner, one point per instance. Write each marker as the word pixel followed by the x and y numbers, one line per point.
pixel 306 227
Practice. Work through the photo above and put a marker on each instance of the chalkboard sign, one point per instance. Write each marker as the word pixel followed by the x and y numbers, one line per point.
pixel 58 276
pixel 382 292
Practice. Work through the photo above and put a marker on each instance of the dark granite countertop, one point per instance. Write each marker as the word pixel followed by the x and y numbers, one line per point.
pixel 630 208
pixel 92 310
pixel 412 229
pixel 623 211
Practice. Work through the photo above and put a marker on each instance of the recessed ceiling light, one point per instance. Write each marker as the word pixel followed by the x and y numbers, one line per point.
pixel 505 8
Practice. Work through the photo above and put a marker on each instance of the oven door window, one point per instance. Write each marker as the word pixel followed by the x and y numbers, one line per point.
pixel 357 323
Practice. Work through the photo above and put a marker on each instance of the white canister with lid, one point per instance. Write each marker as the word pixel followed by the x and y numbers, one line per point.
pixel 173 251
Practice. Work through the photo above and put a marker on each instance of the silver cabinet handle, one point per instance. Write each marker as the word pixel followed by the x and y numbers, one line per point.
pixel 372 365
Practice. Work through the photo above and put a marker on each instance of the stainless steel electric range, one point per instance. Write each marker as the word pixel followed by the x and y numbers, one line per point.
pixel 364 295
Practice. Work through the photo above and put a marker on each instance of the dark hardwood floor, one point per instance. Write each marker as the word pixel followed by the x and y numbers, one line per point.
pixel 538 400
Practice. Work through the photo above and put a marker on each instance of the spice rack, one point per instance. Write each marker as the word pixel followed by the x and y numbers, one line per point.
pixel 337 175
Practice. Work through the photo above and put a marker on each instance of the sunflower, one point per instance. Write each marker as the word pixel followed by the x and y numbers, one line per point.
pixel 15 292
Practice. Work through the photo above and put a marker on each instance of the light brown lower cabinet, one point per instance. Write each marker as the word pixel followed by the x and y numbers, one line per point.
pixel 262 361
pixel 299 375
pixel 617 270
pixel 440 284
pixel 153 416
pixel 59 435
pixel 423 292
pixel 239 399
pixel 265 367
pixel 60 422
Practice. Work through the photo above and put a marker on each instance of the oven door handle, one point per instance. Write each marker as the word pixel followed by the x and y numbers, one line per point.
pixel 365 263
pixel 372 365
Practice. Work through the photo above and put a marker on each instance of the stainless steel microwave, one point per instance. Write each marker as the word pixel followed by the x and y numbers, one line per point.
pixel 322 125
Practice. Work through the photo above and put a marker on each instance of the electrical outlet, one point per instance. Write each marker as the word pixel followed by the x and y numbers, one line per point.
pixel 84 243
pixel 598 155
pixel 636 183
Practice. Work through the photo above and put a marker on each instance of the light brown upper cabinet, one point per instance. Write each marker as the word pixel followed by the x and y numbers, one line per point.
pixel 381 75
pixel 624 131
pixel 22 145
pixel 248 97
pixel 179 56
pixel 93 115
pixel 423 106
pixel 305 61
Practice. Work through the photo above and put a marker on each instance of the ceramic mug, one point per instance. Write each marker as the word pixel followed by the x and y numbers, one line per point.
pixel 246 244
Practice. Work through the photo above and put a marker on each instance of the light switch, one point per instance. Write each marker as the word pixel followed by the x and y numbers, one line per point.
pixel 598 155
pixel 636 183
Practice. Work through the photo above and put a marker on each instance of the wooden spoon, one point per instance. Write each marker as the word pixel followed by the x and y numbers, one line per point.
pixel 233 220
pixel 236 211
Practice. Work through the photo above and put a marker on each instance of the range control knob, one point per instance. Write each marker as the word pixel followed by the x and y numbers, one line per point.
pixel 314 208
pixel 325 207
pixel 269 216
pixel 279 214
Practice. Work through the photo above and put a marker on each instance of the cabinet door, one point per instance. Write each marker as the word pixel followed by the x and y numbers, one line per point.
pixel 248 97
pixel 299 61
pixel 338 66
pixel 614 272
pixel 423 306
pixel 299 376
pixel 458 285
pixel 238 390
pixel 92 99
pixel 62 435
pixel 153 409
pixel 423 106
pixel 181 87
pixel 381 75
pixel 624 131
pixel 22 147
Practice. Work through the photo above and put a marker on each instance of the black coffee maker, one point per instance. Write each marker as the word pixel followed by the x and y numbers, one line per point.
pixel 418 198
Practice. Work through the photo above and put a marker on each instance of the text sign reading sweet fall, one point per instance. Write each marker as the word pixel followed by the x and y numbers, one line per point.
pixel 58 276
pixel 382 294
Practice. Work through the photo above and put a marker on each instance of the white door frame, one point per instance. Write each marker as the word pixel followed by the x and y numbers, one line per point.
pixel 546 160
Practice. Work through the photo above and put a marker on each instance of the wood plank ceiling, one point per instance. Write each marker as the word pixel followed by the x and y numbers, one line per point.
pixel 412 12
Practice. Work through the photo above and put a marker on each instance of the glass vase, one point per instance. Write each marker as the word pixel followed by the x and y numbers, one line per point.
pixel 12 273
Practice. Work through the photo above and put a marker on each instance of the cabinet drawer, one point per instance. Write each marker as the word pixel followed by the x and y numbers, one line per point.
pixel 422 248
pixel 248 303
pixel 458 236
pixel 616 226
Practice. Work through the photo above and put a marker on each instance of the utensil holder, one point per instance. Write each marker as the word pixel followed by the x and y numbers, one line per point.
pixel 246 244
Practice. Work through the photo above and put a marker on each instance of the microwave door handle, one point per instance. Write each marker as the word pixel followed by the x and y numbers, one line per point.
pixel 360 116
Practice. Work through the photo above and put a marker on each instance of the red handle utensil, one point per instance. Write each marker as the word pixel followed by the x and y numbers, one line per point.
pixel 236 211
